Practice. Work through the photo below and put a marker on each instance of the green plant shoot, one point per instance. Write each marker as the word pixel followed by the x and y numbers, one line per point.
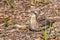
pixel 46 1
pixel 55 33
pixel 35 2
pixel 45 35
pixel 5 22
pixel 13 22
pixel 51 24
pixel 10 3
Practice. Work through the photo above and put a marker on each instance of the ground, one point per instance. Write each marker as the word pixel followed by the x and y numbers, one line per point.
pixel 20 15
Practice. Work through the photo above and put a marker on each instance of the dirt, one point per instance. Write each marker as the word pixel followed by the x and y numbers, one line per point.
pixel 19 16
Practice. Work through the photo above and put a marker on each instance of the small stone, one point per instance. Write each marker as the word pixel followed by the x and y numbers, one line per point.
pixel 52 39
pixel 22 26
pixel 42 13
pixel 9 39
pixel 12 30
pixel 58 38
pixel 1 39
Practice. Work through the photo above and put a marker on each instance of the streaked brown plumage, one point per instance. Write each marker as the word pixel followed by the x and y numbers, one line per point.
pixel 35 24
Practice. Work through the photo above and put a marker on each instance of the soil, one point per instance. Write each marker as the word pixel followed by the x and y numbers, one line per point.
pixel 19 16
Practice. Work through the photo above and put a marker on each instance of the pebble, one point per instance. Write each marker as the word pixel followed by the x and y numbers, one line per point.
pixel 20 8
pixel 42 13
pixel 1 39
pixel 21 26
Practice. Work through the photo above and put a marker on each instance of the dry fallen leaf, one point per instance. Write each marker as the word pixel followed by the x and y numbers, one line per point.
pixel 58 38
pixel 52 39
pixel 32 3
pixel 38 38
pixel 41 7
pixel 22 26
pixel 19 30
pixel 1 39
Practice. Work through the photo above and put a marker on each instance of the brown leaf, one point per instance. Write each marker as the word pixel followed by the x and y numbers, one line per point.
pixel 38 38
pixel 21 26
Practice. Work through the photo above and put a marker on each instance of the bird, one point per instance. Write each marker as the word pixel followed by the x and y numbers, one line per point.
pixel 36 24
pixel 46 23
pixel 33 22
